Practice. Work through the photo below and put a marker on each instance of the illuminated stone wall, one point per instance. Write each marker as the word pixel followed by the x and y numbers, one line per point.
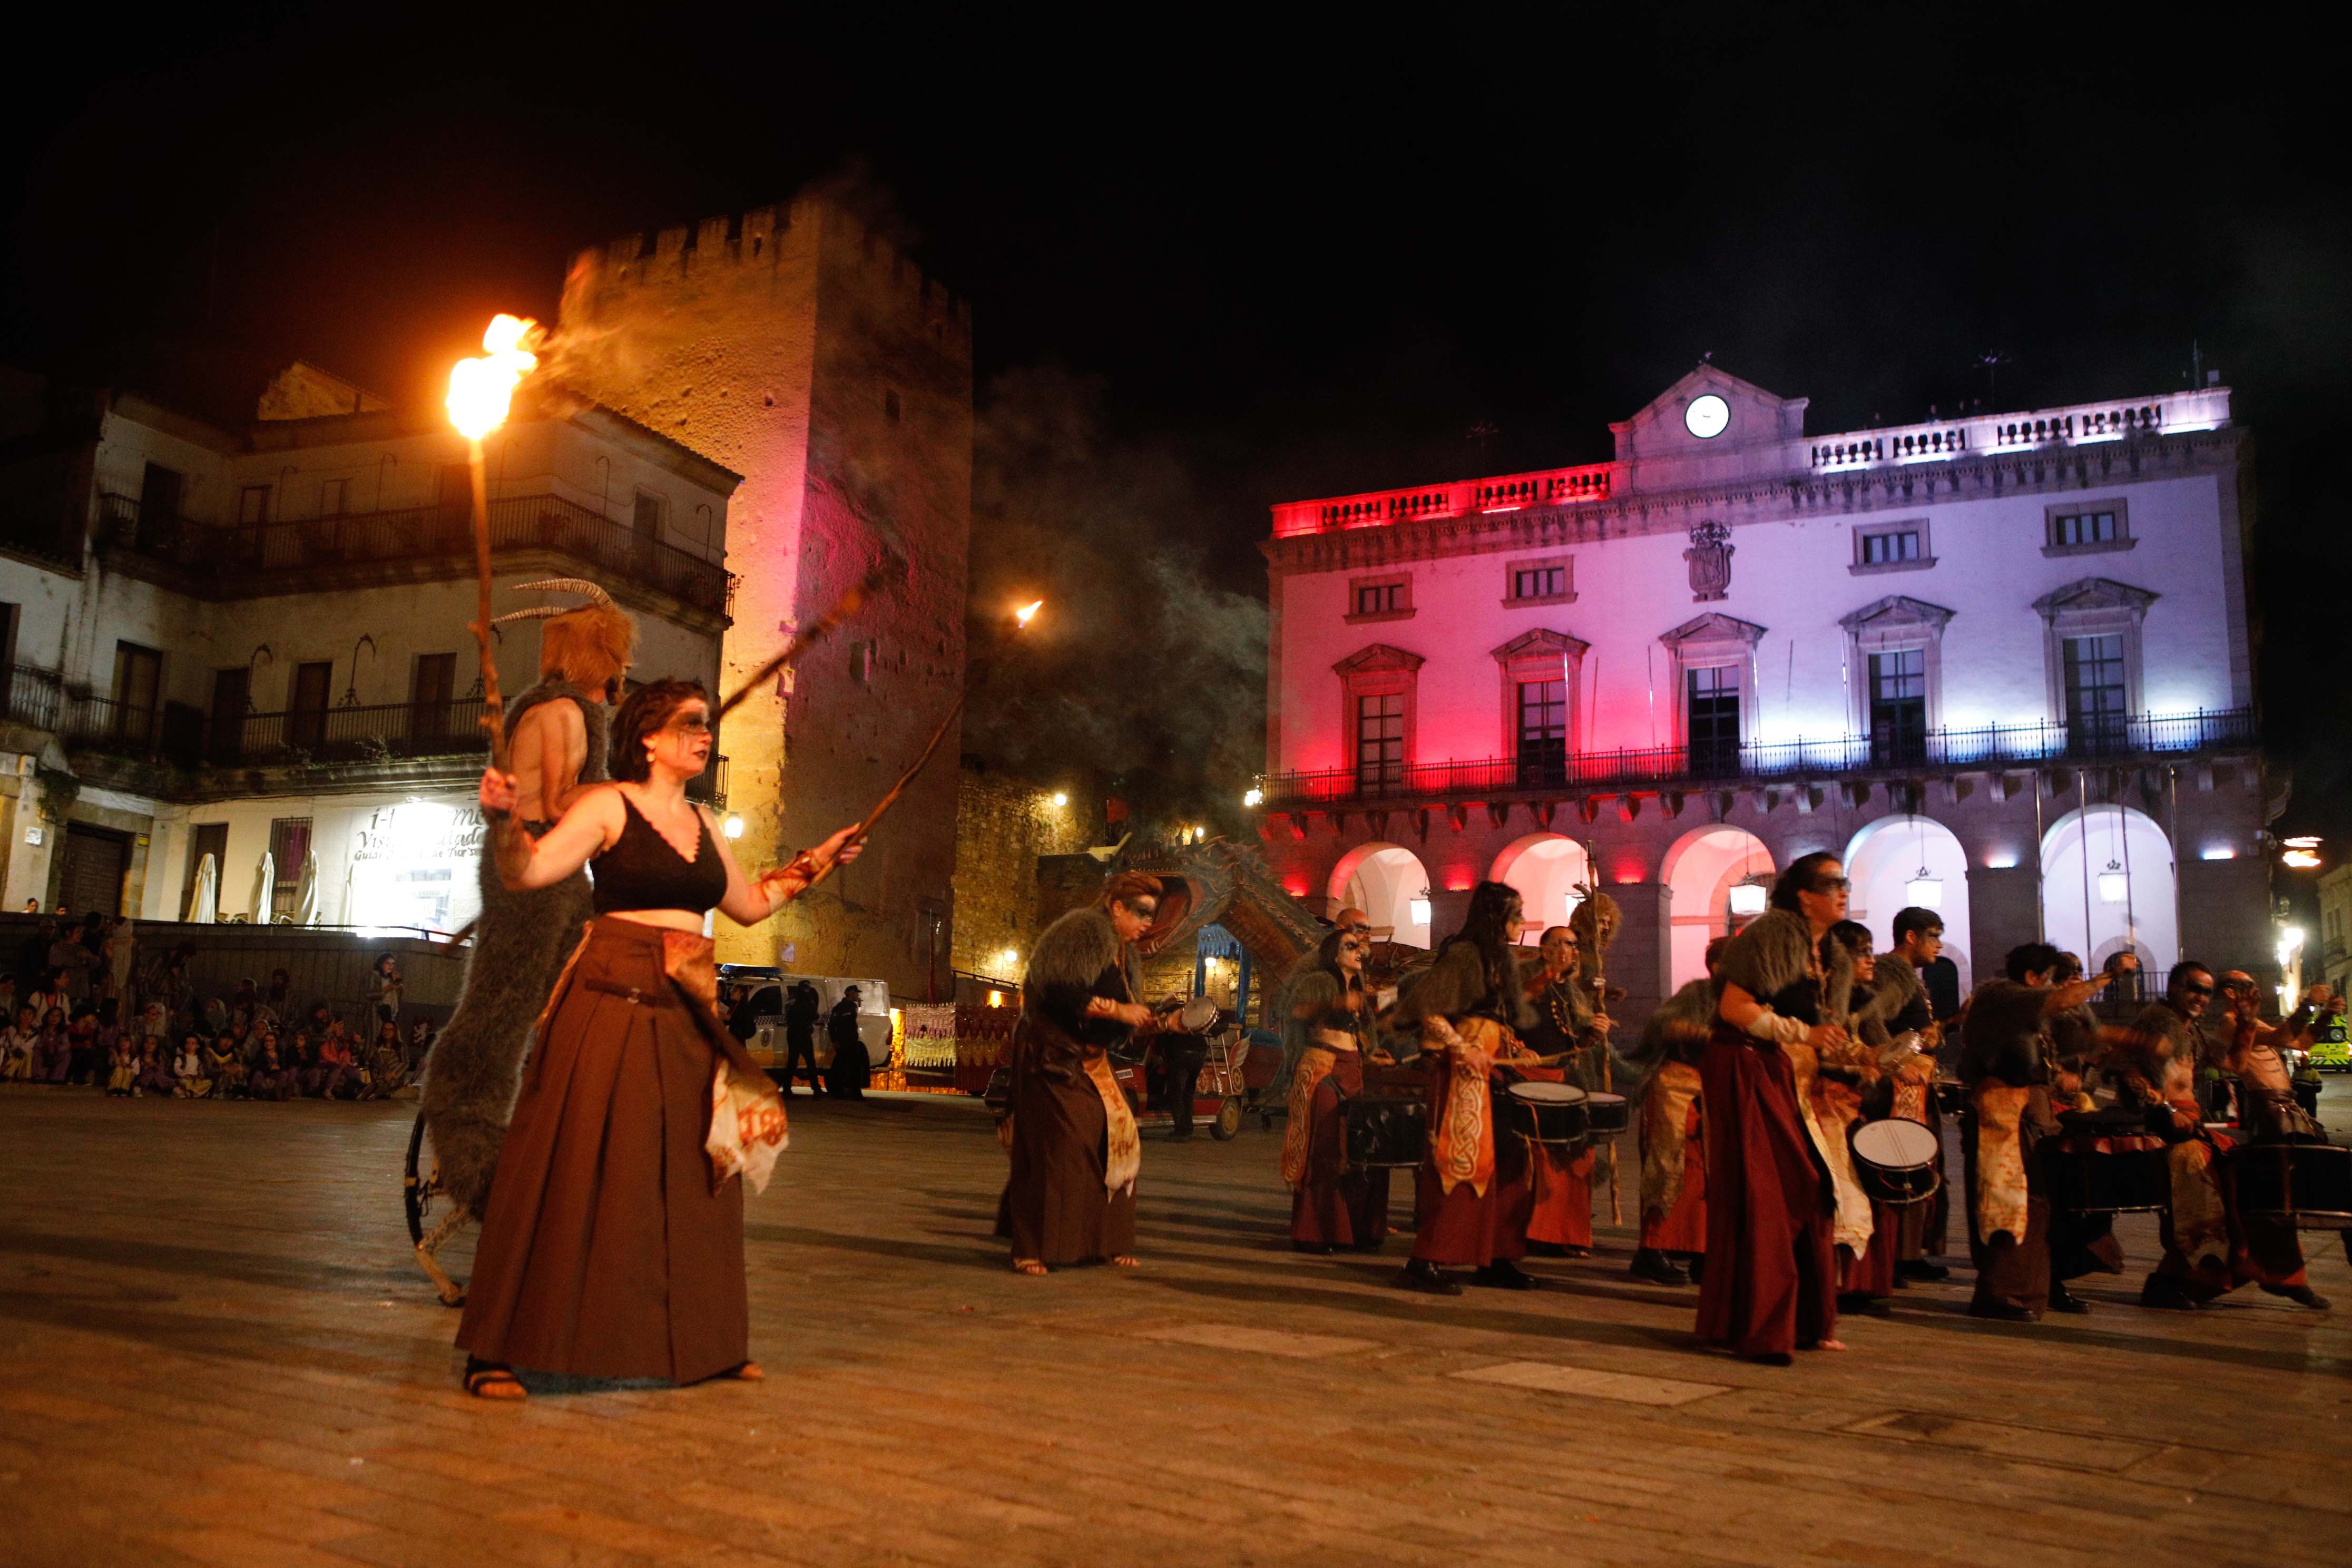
pixel 1002 826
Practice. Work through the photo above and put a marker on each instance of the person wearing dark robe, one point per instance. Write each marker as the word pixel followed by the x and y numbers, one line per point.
pixel 1672 1247
pixel 1472 1192
pixel 2209 1248
pixel 1559 1221
pixel 1296 1038
pixel 1844 1082
pixel 2004 1063
pixel 1069 1197
pixel 613 1242
pixel 556 735
pixel 1770 1285
pixel 1921 1230
pixel 847 1079
pixel 801 1011
pixel 1332 1203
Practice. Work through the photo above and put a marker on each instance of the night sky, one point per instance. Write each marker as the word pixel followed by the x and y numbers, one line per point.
pixel 1291 264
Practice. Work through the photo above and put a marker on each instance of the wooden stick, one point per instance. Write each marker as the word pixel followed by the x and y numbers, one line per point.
pixel 818 630
pixel 891 799
pixel 493 706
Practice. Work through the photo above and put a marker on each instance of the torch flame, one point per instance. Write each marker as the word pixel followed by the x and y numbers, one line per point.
pixel 481 389
pixel 1023 613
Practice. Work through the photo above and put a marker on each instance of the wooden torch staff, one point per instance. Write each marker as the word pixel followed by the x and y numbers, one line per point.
pixel 818 631
pixel 493 705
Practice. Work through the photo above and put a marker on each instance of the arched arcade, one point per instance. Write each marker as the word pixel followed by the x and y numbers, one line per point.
pixel 1388 882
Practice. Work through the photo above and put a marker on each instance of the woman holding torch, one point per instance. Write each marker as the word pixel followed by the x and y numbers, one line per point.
pixel 613 1242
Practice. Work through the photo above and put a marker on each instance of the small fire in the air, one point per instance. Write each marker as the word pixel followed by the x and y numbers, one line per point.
pixel 1026 611
pixel 481 389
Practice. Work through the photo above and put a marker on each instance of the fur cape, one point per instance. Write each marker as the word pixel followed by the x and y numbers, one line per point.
pixel 1775 952
pixel 1675 1031
pixel 1074 952
pixel 520 944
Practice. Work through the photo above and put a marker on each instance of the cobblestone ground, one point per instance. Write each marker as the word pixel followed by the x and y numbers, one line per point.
pixel 214 1348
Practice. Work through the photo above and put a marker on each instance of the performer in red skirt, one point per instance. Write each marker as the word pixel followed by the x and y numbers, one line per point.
pixel 612 1245
pixel 1770 1285
pixel 1567 1020
pixel 1331 1204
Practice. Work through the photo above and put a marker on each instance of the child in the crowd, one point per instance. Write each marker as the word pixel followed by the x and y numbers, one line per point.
pixel 18 1043
pixel 155 1074
pixel 188 1067
pixel 121 1071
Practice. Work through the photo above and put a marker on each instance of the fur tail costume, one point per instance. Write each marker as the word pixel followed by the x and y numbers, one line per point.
pixel 519 945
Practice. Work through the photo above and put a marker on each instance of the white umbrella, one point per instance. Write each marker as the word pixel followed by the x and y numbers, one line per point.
pixel 306 891
pixel 265 883
pixel 204 905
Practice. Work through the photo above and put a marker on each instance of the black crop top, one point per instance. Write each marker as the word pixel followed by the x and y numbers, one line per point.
pixel 642 871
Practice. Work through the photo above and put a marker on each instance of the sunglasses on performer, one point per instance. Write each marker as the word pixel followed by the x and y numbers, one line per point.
pixel 2197 990
pixel 1834 885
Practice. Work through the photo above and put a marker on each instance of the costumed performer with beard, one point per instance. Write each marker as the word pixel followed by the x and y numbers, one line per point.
pixel 555 735
pixel 1331 1204
pixel 1560 1224
pixel 1674 1131
pixel 613 1244
pixel 1908 1088
pixel 1471 1191
pixel 1070 1197
pixel 1770 1285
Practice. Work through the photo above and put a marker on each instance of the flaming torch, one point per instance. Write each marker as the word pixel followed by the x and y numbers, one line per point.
pixel 480 391
pixel 1018 622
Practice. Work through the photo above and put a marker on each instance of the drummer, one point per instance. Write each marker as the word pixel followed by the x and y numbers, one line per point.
pixel 1332 1206
pixel 1918 943
pixel 1566 1022
pixel 1471 1196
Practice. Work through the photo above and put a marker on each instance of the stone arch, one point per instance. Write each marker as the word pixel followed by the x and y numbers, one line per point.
pixel 1699 872
pixel 1545 867
pixel 2109 881
pixel 1387 881
pixel 1886 858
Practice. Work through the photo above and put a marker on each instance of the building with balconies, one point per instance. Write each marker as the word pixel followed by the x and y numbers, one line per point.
pixel 248 637
pixel 2001 665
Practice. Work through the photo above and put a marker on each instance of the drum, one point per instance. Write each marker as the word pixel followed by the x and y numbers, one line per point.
pixel 1896 1160
pixel 2309 1185
pixel 1198 1016
pixel 1607 1113
pixel 2091 1182
pixel 1557 1115
pixel 1951 1096
pixel 1386 1132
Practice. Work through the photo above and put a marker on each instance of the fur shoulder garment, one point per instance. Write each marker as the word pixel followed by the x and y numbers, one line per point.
pixel 1773 953
pixel 1075 951
pixel 520 943
pixel 1675 1031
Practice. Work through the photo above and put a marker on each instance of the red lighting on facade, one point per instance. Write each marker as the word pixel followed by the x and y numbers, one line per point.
pixel 1294 886
pixel 1627 873
pixel 1458 884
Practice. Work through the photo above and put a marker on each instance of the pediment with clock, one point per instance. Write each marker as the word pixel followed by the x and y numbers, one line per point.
pixel 1710 427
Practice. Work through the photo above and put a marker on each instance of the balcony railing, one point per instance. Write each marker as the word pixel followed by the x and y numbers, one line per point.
pixel 1994 746
pixel 256 558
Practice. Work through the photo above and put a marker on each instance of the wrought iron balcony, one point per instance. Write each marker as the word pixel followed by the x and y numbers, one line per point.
pixel 1686 767
pixel 252 558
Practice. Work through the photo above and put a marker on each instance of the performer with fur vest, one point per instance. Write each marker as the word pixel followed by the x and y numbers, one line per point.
pixel 555 735
pixel 1770 1285
pixel 1566 1022
pixel 1070 1197
pixel 1674 1131
pixel 613 1244
pixel 1331 1203
pixel 1472 1196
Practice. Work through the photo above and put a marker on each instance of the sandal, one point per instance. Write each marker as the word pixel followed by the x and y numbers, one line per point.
pixel 749 1372
pixel 1028 1265
pixel 488 1380
pixel 1124 1261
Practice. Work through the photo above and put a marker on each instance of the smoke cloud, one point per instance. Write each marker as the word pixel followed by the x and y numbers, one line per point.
pixel 1141 673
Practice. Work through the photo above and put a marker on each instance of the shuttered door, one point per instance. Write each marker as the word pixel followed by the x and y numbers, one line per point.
pixel 96 862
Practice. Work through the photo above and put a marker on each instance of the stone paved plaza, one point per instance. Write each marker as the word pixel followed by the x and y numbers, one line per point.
pixel 214 1348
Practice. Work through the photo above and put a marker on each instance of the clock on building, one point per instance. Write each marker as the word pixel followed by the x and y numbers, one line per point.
pixel 1707 416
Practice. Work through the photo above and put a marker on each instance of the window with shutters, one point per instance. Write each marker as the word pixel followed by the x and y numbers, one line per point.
pixel 2087 528
pixel 1388 598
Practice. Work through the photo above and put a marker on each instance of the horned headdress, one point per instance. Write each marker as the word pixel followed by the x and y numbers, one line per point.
pixel 588 644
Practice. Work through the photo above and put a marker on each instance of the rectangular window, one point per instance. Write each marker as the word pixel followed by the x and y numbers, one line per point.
pixel 1898 707
pixel 2083 527
pixel 1543 732
pixel 432 690
pixel 158 506
pixel 138 682
pixel 290 846
pixel 1885 549
pixel 1711 698
pixel 1380 598
pixel 1379 743
pixel 253 504
pixel 1538 582
pixel 2096 719
pixel 208 841
pixel 232 699
pixel 306 707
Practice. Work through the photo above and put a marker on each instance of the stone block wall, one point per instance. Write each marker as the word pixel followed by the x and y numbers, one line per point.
pixel 1003 825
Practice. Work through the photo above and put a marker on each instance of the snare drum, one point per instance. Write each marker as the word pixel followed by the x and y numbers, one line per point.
pixel 2095 1182
pixel 2309 1185
pixel 1895 1160
pixel 1557 1115
pixel 1386 1132
pixel 1608 1113
pixel 1198 1016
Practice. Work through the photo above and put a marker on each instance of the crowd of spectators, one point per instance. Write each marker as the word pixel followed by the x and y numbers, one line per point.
pixel 77 1010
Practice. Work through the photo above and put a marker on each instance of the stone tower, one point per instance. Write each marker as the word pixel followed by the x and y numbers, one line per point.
pixel 811 357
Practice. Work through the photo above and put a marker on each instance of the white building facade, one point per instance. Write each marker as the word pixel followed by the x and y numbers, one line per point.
pixel 1999 664
pixel 253 642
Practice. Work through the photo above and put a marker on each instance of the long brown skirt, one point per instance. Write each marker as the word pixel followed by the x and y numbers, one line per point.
pixel 605 1253
pixel 1055 1208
